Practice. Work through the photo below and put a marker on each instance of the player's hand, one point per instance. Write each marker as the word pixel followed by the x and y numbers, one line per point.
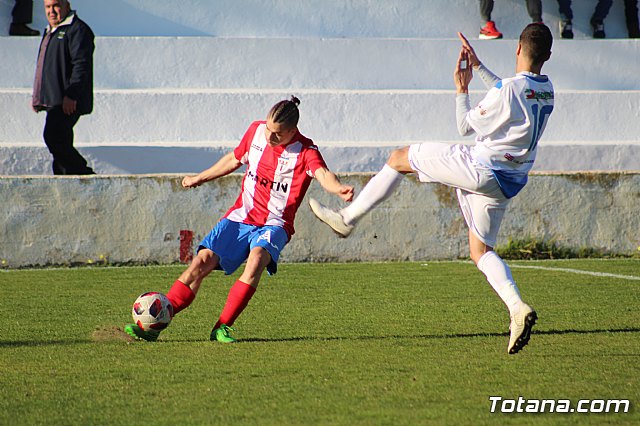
pixel 463 73
pixel 346 192
pixel 190 182
pixel 472 57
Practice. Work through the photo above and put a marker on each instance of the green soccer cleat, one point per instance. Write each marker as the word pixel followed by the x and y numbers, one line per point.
pixel 139 334
pixel 222 334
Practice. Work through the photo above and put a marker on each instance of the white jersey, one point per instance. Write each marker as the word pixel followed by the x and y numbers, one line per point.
pixel 509 122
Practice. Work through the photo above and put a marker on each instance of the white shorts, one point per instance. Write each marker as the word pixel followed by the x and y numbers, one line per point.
pixel 482 202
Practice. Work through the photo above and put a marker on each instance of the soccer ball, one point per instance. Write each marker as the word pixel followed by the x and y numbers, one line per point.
pixel 152 311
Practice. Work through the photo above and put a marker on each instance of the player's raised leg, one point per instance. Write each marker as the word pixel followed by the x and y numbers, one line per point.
pixel 183 291
pixel 378 189
pixel 523 317
pixel 240 294
pixel 181 296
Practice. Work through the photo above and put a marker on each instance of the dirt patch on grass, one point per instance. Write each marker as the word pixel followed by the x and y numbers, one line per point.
pixel 110 333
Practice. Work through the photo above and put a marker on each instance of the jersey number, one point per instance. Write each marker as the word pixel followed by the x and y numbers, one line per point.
pixel 540 116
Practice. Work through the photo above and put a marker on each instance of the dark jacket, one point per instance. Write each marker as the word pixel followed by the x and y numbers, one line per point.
pixel 68 65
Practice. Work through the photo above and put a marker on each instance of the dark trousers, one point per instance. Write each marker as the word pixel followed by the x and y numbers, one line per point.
pixel 534 8
pixel 58 136
pixel 600 12
pixel 22 12
pixel 631 15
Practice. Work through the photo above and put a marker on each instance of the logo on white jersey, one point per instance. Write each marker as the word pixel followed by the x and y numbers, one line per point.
pixel 267 183
pixel 532 94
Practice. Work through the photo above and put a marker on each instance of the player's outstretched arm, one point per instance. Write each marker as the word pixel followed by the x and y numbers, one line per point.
pixel 330 182
pixel 489 78
pixel 227 164
pixel 471 53
pixel 462 73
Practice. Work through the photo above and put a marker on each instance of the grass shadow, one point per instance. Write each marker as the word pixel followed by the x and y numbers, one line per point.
pixel 435 336
pixel 116 338
pixel 36 343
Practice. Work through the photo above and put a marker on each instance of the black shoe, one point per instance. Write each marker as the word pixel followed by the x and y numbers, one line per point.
pixel 22 30
pixel 598 29
pixel 566 29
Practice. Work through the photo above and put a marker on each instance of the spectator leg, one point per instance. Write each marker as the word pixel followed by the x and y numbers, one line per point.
pixel 22 12
pixel 486 7
pixel 601 11
pixel 631 15
pixel 58 136
pixel 564 7
pixel 534 8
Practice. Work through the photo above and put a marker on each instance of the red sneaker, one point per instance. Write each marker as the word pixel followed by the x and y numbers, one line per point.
pixel 489 31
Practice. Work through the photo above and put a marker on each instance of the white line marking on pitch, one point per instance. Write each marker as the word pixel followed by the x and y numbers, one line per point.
pixel 578 271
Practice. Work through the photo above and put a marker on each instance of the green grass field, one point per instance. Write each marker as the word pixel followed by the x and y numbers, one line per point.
pixel 371 343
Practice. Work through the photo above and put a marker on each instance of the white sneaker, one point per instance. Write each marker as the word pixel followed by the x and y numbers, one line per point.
pixel 521 324
pixel 331 217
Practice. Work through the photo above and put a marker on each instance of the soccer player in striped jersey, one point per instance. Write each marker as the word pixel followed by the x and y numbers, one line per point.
pixel 281 164
pixel 508 124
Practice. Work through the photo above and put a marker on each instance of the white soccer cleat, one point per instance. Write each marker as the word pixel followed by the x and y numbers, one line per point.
pixel 521 324
pixel 330 217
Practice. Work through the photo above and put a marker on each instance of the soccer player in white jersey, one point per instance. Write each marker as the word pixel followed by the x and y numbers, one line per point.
pixel 508 124
pixel 281 163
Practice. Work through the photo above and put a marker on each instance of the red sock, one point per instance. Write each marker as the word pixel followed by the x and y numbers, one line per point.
pixel 180 296
pixel 238 299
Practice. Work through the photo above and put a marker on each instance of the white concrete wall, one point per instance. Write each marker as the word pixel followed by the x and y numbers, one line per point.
pixel 138 219
pixel 314 18
pixel 329 117
pixel 321 63
pixel 369 123
pixel 371 75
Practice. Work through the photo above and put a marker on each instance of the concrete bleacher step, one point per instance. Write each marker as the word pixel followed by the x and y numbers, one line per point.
pixel 353 116
pixel 342 157
pixel 320 63
pixel 166 130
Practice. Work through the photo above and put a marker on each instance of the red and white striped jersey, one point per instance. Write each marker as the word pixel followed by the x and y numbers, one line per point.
pixel 276 179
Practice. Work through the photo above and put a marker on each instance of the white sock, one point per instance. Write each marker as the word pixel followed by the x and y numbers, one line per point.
pixel 499 276
pixel 378 189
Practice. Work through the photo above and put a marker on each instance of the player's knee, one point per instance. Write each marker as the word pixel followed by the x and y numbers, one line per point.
pixel 204 262
pixel 399 160
pixel 258 259
pixel 204 257
pixel 476 258
pixel 477 253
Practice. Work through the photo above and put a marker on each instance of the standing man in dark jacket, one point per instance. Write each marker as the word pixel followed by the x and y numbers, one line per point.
pixel 63 84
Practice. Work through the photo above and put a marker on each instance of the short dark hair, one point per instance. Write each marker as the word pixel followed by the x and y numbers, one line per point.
pixel 286 112
pixel 536 39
